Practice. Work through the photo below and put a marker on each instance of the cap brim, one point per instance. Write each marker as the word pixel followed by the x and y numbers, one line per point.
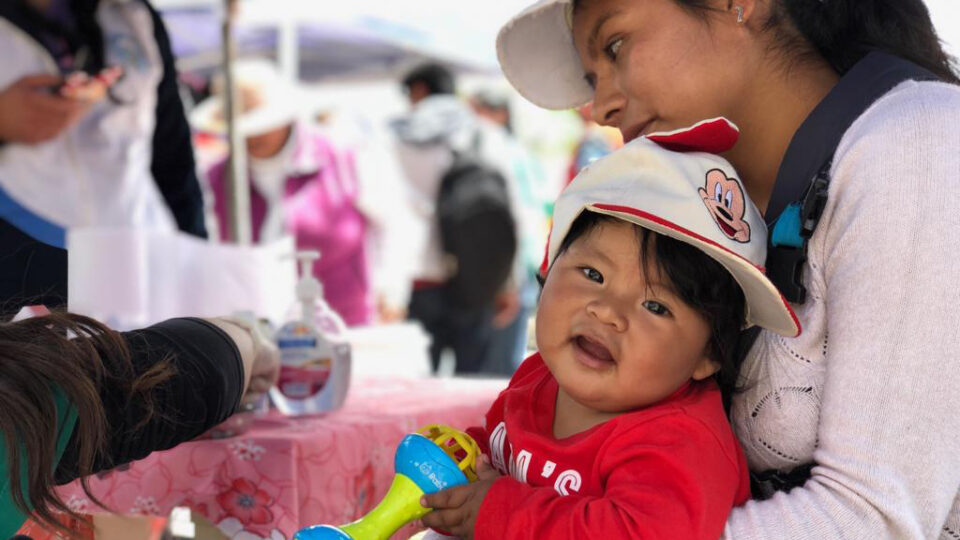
pixel 208 117
pixel 766 307
pixel 538 57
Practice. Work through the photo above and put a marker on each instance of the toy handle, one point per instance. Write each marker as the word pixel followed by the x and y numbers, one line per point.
pixel 422 467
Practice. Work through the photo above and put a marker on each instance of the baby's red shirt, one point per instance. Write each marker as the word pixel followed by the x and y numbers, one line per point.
pixel 670 471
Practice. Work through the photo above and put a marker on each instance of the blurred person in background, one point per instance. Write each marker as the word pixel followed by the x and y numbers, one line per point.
pixel 509 344
pixel 596 142
pixel 439 124
pixel 92 133
pixel 305 183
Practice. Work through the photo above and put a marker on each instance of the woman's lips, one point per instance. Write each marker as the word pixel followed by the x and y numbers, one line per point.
pixel 592 354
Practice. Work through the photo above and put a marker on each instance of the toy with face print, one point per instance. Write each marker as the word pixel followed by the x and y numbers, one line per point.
pixel 646 291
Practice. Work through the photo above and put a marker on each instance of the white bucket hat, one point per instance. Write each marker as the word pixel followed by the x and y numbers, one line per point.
pixel 661 183
pixel 538 57
pixel 270 101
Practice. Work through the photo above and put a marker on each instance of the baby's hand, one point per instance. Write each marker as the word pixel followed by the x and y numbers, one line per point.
pixel 455 509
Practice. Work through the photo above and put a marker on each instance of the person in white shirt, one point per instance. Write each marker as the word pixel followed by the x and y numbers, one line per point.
pixel 439 124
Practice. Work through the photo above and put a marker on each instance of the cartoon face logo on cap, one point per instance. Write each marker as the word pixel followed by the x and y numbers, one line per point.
pixel 727 204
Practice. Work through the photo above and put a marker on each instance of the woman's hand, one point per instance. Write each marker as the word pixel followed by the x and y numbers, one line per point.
pixel 455 510
pixel 266 367
pixel 31 113
pixel 261 358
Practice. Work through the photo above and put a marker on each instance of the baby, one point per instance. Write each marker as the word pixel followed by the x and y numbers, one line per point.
pixel 616 428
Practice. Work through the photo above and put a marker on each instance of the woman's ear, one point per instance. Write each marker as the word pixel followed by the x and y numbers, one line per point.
pixel 705 368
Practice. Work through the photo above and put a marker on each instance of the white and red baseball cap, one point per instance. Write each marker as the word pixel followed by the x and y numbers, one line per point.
pixel 674 184
pixel 538 57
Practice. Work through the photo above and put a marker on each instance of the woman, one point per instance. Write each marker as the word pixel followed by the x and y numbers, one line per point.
pixel 333 194
pixel 860 410
pixel 73 406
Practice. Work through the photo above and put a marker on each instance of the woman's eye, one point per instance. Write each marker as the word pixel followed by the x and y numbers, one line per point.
pixel 613 49
pixel 728 199
pixel 718 193
pixel 592 274
pixel 656 308
pixel 591 80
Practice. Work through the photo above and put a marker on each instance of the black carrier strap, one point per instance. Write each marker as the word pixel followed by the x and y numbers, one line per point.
pixel 805 171
pixel 800 196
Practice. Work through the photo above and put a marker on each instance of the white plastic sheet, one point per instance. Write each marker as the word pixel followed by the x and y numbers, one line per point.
pixel 133 278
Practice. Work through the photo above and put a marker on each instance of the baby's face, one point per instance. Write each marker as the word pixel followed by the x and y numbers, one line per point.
pixel 617 338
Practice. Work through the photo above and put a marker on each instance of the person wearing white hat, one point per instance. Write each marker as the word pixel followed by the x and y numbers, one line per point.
pixel 616 428
pixel 849 112
pixel 316 185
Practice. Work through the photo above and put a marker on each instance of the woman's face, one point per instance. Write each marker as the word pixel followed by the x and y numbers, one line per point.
pixel 269 144
pixel 657 66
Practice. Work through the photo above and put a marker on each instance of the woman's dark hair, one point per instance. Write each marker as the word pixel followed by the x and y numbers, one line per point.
pixel 844 31
pixel 78 356
pixel 701 282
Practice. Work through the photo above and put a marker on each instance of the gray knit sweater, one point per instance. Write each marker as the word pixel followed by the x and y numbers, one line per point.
pixel 870 392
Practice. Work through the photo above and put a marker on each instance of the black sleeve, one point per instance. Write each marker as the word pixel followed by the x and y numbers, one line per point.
pixel 31 272
pixel 173 166
pixel 204 391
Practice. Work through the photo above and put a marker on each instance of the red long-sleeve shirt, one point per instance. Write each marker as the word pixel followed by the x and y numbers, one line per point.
pixel 669 471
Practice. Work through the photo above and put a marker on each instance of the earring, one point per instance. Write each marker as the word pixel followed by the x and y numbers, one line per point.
pixel 739 10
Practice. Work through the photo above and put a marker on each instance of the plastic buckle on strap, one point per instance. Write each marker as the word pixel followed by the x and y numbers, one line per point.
pixel 785 269
pixel 789 237
pixel 814 202
pixel 766 484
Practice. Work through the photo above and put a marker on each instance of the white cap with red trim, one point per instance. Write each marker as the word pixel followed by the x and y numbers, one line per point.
pixel 668 183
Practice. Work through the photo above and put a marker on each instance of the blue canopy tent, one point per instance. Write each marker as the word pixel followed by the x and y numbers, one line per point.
pixel 314 43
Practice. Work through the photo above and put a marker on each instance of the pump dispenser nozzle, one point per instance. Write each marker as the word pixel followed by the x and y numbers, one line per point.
pixel 309 288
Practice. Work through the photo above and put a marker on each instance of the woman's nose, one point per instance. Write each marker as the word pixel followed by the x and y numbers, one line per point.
pixel 608 101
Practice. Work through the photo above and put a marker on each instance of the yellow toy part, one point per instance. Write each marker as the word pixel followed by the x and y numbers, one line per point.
pixel 458 445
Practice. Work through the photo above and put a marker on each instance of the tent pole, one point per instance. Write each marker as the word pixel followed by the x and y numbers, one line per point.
pixel 238 184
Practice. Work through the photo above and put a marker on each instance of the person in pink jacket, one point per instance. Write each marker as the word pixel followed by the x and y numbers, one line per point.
pixel 301 183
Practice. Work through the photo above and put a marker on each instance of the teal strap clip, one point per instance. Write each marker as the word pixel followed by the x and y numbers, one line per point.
pixel 787 231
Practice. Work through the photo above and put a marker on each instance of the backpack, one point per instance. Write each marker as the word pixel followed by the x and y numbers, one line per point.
pixel 477 230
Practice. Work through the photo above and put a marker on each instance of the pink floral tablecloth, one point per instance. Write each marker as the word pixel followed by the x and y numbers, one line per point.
pixel 287 473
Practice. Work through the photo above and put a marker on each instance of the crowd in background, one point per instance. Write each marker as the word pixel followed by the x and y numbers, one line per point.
pixel 114 145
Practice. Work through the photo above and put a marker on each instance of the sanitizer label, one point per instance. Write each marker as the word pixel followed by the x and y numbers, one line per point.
pixel 306 362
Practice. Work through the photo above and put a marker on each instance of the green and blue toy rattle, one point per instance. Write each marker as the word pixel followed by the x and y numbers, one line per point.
pixel 434 459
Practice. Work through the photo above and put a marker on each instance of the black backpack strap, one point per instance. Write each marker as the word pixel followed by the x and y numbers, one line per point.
pixel 800 193
pixel 800 196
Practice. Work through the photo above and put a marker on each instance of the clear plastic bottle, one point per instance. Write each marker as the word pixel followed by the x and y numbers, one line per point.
pixel 315 357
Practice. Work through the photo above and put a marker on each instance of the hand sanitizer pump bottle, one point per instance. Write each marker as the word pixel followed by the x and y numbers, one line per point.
pixel 314 354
